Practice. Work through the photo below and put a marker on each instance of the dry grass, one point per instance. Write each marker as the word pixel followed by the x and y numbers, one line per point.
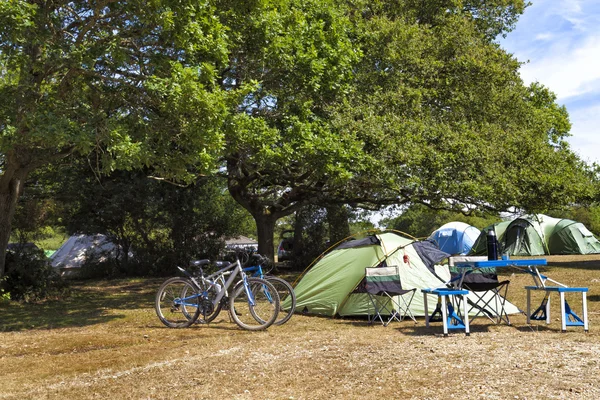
pixel 106 342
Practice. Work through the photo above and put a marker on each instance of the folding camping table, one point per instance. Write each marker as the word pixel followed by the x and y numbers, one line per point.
pixel 568 317
pixel 467 265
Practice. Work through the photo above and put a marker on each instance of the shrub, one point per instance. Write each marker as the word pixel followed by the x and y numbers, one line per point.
pixel 30 277
pixel 99 266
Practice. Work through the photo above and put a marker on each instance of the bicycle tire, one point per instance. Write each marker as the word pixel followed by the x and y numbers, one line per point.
pixel 261 314
pixel 287 298
pixel 208 311
pixel 168 305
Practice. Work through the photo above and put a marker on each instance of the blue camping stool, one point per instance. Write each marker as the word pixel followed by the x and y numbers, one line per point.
pixel 450 318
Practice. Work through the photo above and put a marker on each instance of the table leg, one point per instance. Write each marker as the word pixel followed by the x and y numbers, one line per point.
pixel 426 310
pixel 528 306
pixel 563 317
pixel 548 309
pixel 585 318
pixel 444 315
pixel 466 315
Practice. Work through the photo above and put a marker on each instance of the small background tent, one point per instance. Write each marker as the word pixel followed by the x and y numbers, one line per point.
pixel 78 248
pixel 455 237
pixel 242 243
pixel 328 287
pixel 539 235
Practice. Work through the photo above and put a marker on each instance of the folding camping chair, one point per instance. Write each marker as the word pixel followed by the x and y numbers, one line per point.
pixel 489 293
pixel 387 296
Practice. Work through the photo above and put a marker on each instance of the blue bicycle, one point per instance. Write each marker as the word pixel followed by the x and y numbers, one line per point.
pixel 287 297
pixel 253 267
pixel 253 303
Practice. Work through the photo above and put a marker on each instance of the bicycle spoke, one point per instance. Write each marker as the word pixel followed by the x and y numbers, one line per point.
pixel 255 307
pixel 176 303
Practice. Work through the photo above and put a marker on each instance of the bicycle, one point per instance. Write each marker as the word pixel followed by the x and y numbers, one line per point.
pixel 181 301
pixel 283 287
pixel 255 267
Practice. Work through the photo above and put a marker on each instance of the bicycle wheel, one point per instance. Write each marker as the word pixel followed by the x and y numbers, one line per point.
pixel 208 311
pixel 287 298
pixel 258 309
pixel 176 303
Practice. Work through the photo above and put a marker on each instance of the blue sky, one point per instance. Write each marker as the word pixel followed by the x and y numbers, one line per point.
pixel 560 41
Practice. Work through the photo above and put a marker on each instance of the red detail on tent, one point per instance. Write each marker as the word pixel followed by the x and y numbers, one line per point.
pixel 405 259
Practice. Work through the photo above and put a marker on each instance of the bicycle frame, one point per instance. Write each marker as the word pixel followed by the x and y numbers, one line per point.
pixel 256 271
pixel 213 280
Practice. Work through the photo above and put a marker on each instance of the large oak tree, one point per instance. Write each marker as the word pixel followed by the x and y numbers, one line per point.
pixel 387 102
pixel 298 101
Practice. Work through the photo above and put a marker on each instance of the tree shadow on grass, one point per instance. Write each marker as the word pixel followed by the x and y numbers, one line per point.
pixel 583 264
pixel 594 298
pixel 90 303
pixel 419 329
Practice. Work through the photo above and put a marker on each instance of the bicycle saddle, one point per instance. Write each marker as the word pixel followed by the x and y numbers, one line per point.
pixel 200 263
pixel 206 261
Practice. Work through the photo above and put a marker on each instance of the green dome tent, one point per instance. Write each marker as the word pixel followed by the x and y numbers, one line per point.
pixel 480 246
pixel 539 234
pixel 571 237
pixel 328 287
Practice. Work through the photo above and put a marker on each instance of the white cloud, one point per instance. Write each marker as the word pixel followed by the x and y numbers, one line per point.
pixel 585 139
pixel 544 36
pixel 560 41
pixel 568 69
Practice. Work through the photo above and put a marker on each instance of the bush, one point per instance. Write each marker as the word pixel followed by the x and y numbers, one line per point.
pixel 99 266
pixel 30 277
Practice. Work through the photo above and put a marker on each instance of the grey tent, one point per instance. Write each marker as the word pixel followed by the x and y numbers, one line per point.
pixel 78 249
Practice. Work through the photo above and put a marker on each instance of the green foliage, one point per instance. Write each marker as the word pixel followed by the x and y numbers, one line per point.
pixel 29 277
pixel 4 295
pixel 311 236
pixel 420 221
pixel 450 123
pixel 302 101
pixel 133 80
pixel 163 225
pixel 31 220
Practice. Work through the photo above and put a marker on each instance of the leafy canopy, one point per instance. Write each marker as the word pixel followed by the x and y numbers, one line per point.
pixel 131 81
pixel 297 101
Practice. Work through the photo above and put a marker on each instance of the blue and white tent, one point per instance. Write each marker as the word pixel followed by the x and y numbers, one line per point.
pixel 455 237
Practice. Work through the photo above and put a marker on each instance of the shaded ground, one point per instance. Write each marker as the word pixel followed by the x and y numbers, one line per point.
pixel 106 342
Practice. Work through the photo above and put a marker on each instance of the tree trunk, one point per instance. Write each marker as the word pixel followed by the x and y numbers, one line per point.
pixel 11 183
pixel 265 216
pixel 337 218
pixel 265 226
pixel 299 239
